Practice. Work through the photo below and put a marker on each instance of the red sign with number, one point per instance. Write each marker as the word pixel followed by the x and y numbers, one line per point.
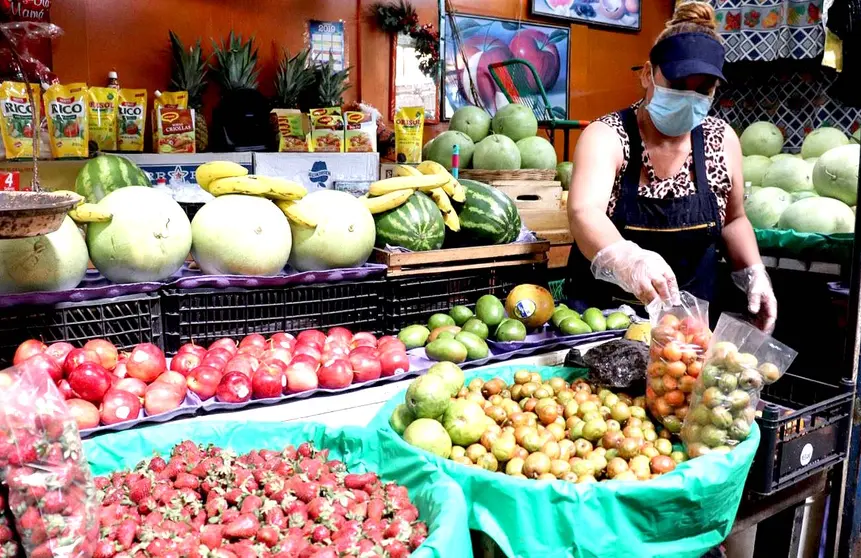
pixel 10 181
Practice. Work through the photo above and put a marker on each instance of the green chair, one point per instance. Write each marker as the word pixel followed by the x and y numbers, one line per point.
pixel 519 82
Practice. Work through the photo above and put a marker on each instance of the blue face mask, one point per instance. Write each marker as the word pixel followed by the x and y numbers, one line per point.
pixel 675 113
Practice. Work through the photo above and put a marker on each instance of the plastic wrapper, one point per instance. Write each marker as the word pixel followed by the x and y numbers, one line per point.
pixel 10 546
pixel 51 490
pixel 680 338
pixel 740 361
pixel 31 41
pixel 620 363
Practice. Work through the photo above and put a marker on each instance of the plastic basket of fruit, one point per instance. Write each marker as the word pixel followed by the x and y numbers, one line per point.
pixel 322 494
pixel 546 423
pixel 205 315
pixel 124 321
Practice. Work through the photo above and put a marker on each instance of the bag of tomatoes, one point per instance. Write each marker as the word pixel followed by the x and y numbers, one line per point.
pixel 680 338
pixel 739 362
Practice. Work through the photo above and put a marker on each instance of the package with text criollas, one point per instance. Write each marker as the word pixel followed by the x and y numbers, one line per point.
pixel 174 131
pixel 16 119
pixel 102 117
pixel 66 111
pixel 168 100
pixel 131 120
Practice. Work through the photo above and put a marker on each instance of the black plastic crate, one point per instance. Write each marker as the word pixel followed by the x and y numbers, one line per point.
pixel 805 427
pixel 204 315
pixel 413 299
pixel 124 321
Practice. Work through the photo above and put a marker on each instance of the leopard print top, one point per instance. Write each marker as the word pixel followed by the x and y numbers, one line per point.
pixel 682 183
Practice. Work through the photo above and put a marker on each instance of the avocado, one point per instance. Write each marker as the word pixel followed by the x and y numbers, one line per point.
pixel 476 348
pixel 490 310
pixel 562 313
pixel 618 320
pixel 510 330
pixel 453 329
pixel 450 350
pixel 460 314
pixel 440 320
pixel 414 336
pixel 476 326
pixel 574 326
pixel 595 319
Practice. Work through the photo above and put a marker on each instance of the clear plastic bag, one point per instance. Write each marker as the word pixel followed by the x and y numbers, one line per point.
pixel 680 338
pixel 740 361
pixel 51 492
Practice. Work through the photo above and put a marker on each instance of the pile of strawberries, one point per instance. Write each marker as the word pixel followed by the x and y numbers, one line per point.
pixel 296 503
pixel 9 545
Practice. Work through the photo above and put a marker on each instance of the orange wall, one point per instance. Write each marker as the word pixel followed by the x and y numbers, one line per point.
pixel 132 37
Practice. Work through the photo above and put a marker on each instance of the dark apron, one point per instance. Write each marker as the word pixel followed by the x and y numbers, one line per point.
pixel 686 231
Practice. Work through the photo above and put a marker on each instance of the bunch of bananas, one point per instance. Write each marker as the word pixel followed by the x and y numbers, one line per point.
pixel 429 177
pixel 221 178
pixel 85 212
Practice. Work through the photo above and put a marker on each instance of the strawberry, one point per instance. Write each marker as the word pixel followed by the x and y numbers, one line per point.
pixel 6 534
pixel 186 480
pixel 418 537
pixel 325 553
pixel 157 464
pixel 354 482
pixel 305 491
pixel 104 549
pixel 243 527
pixel 275 517
pixel 376 508
pixel 284 469
pixel 211 536
pixel 229 515
pixel 157 547
pixel 140 490
pixel 408 513
pixel 397 549
pixel 320 533
pixel 126 534
pixel 358 511
pixel 319 508
pixel 268 535
pixel 312 467
pixel 398 529
pixel 215 505
pixel 305 449
pixel 233 496
pixel 251 504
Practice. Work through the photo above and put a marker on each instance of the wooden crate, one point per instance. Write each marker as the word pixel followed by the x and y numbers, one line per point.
pixel 551 225
pixel 459 259
pixel 532 194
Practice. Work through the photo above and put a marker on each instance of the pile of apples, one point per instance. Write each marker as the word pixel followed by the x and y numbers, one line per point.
pixel 261 368
pixel 102 385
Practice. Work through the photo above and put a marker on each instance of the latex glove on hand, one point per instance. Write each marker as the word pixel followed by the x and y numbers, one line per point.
pixel 761 302
pixel 643 273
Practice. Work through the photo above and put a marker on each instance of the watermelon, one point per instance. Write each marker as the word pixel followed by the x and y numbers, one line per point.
pixel 416 225
pixel 103 174
pixel 488 216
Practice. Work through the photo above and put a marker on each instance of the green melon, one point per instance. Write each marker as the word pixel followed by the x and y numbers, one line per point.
pixel 761 138
pixel 488 216
pixel 818 215
pixel 416 225
pixel 790 174
pixel 753 168
pixel 103 174
pixel 822 140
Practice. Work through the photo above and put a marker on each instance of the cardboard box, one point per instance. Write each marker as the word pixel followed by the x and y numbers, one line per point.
pixel 319 170
pixel 181 167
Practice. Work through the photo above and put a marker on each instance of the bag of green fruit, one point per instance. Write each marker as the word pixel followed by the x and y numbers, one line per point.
pixel 739 363
pixel 680 337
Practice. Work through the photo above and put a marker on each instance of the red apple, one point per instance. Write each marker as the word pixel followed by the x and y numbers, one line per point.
pixel 27 349
pixel 363 339
pixel 246 364
pixel 119 406
pixel 77 357
pixel 306 360
pixel 227 344
pixel 198 350
pixel 173 378
pixel 234 388
pixel 308 350
pixel 59 352
pixel 203 381
pixel 90 381
pixel 106 350
pixel 253 340
pixel 301 375
pixel 536 47
pixel 120 370
pixel 65 389
pixel 395 345
pixel 313 337
pixel 185 362
pixel 385 340
pixel 279 353
pixel 146 362
pixel 342 333
pixel 252 350
pixel 42 363
pixel 332 352
pixel 365 367
pixel 282 340
pixel 162 397
pixel 132 385
pixel 268 381
pixel 477 53
pixel 364 350
pixel 86 414
pixel 394 362
pixel 335 374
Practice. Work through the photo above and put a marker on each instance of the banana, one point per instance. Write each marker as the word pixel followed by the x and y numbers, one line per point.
pixel 388 201
pixel 296 214
pixel 453 188
pixel 90 213
pixel 449 216
pixel 207 173
pixel 407 170
pixel 423 183
pixel 451 220
pixel 432 167
pixel 263 186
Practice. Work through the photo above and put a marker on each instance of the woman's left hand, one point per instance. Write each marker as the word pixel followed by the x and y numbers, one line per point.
pixel 761 302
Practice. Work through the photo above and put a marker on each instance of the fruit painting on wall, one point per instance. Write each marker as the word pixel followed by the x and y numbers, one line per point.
pixel 472 43
pixel 623 14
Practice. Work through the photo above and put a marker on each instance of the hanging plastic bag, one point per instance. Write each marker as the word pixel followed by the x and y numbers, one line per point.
pixel 680 338
pixel 740 361
pixel 51 490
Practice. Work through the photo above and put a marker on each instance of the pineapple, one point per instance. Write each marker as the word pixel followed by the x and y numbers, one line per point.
pixel 293 78
pixel 189 74
pixel 331 84
pixel 237 63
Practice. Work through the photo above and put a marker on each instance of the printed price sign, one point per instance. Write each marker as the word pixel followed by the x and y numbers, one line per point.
pixel 10 181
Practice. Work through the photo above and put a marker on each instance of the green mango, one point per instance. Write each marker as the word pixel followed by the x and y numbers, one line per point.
pixel 449 350
pixel 414 336
pixel 595 319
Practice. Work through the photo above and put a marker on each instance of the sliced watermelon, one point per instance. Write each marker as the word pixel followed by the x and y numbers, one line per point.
pixel 103 174
pixel 416 225
pixel 488 216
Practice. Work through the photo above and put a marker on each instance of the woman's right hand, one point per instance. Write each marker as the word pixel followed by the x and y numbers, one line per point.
pixel 643 273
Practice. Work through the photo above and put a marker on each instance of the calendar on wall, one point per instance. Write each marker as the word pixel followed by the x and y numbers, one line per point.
pixel 327 38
